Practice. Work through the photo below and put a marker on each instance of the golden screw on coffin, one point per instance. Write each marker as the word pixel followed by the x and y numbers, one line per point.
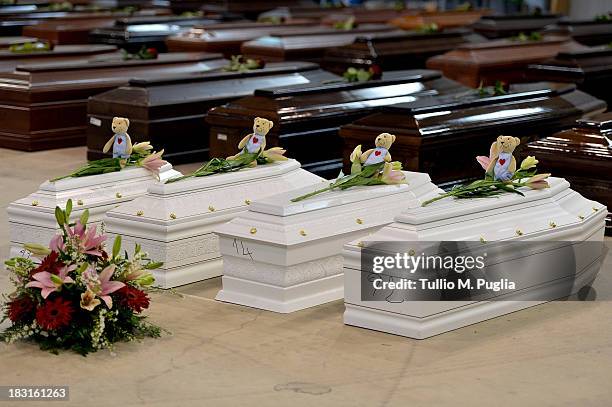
pixel 519 232
pixel 552 224
pixel 359 221
pixel 211 208
pixel 139 213
pixel 173 215
pixel 253 231
pixel 303 232
pixel 34 203
pixel 80 202
pixel 247 201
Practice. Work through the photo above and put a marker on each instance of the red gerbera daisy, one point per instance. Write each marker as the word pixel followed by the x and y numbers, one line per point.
pixel 54 314
pixel 20 309
pixel 50 264
pixel 133 298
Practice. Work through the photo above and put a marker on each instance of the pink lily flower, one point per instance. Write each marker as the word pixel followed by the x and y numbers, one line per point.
pixel 153 162
pixel 538 181
pixel 484 161
pixel 88 242
pixel 49 283
pixel 57 243
pixel 391 176
pixel 107 287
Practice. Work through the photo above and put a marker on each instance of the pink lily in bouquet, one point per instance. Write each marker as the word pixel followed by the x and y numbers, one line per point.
pixel 86 240
pixel 49 283
pixel 101 284
pixel 390 176
pixel 153 162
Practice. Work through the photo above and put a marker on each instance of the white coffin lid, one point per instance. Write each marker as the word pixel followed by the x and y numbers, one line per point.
pixel 93 191
pixel 555 213
pixel 207 199
pixel 280 221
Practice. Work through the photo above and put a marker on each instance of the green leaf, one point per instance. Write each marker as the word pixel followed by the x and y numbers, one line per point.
pixel 153 265
pixel 59 216
pixel 84 217
pixel 117 246
pixel 137 249
pixel 68 209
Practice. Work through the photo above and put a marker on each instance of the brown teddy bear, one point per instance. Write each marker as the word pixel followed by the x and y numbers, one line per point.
pixel 256 141
pixel 381 152
pixel 503 164
pixel 120 141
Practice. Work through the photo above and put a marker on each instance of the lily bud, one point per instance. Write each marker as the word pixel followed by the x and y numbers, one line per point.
pixel 529 163
pixel 37 249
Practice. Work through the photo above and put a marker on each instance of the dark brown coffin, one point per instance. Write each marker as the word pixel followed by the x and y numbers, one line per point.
pixel 504 60
pixel 61 53
pixel 75 32
pixel 44 106
pixel 331 15
pixel 249 8
pixel 134 33
pixel 394 50
pixel 443 19
pixel 228 37
pixel 590 69
pixel 587 32
pixel 508 26
pixel 308 44
pixel 582 155
pixel 307 117
pixel 442 135
pixel 170 112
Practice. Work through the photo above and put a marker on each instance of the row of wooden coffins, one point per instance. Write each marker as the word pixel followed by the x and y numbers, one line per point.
pixel 37 85
pixel 285 239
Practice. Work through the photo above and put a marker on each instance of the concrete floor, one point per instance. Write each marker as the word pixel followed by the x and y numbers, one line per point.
pixel 557 354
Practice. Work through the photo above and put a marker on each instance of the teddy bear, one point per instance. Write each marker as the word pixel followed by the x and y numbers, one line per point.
pixel 503 164
pixel 120 141
pixel 381 152
pixel 256 141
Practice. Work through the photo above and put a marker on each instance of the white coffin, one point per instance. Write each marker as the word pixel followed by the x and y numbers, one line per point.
pixel 283 256
pixel 174 222
pixel 32 219
pixel 557 215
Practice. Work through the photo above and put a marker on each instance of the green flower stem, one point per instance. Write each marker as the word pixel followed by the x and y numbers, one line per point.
pixel 313 193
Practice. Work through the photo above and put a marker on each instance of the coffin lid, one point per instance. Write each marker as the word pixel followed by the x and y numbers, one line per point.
pixel 586 53
pixel 602 122
pixel 170 58
pixel 566 22
pixel 512 17
pixel 209 76
pixel 506 43
pixel 518 92
pixel 218 180
pixel 61 50
pixel 79 182
pixel 389 78
pixel 180 20
pixel 323 30
pixel 281 205
pixel 411 35
pixel 449 210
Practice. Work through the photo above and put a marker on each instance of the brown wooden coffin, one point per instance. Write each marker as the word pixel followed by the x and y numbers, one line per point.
pixel 364 16
pixel 227 37
pixel 170 112
pixel 308 44
pixel 76 32
pixel 44 106
pixel 307 117
pixel 442 135
pixel 582 155
pixel 504 60
pixel 587 32
pixel 494 26
pixel 590 69
pixel 134 33
pixel 394 50
pixel 443 19
pixel 61 53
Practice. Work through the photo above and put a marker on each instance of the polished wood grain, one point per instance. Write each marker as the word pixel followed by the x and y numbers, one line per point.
pixel 582 155
pixel 442 135
pixel 61 53
pixel 587 32
pixel 496 26
pixel 395 50
pixel 590 69
pixel 504 60
pixel 170 111
pixel 307 117
pixel 228 37
pixel 308 44
pixel 44 106
pixel 443 19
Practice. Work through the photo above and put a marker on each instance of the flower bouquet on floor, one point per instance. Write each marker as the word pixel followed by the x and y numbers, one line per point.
pixel 501 174
pixel 80 296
